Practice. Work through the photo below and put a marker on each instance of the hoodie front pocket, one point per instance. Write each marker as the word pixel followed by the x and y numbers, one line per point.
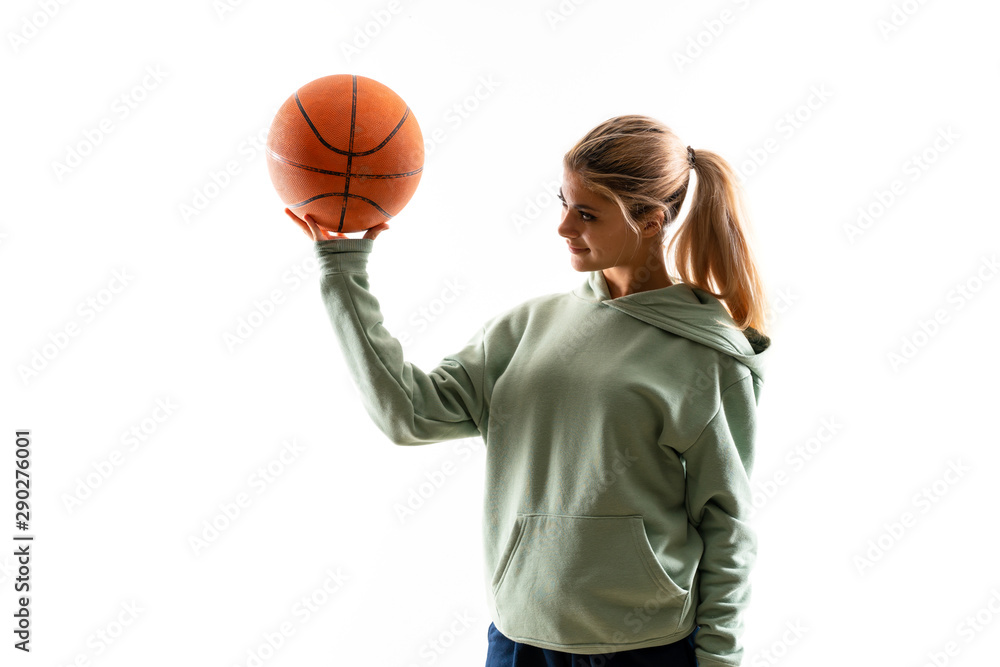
pixel 578 580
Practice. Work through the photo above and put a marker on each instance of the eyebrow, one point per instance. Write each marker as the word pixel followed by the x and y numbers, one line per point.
pixel 577 206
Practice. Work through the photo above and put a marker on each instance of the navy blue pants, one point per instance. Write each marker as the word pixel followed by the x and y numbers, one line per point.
pixel 504 652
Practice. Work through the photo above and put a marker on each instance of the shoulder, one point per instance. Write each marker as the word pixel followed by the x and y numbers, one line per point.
pixel 523 311
pixel 510 324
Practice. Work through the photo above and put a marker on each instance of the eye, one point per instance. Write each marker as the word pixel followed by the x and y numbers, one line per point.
pixel 586 217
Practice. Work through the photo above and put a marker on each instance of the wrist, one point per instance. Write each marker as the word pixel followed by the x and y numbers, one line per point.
pixel 343 255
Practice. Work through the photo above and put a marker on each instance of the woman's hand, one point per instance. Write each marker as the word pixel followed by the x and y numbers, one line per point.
pixel 313 231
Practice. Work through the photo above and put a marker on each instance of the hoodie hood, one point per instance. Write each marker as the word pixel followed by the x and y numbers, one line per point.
pixel 687 311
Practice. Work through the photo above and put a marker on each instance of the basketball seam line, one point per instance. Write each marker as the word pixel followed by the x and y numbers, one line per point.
pixel 350 148
pixel 292 163
pixel 323 141
pixel 342 194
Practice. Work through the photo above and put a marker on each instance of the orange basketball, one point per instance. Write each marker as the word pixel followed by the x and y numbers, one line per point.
pixel 346 150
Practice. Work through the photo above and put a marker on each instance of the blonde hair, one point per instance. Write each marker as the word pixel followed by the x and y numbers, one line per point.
pixel 641 165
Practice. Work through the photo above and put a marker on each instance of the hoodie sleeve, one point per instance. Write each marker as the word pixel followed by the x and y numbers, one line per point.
pixel 718 466
pixel 409 406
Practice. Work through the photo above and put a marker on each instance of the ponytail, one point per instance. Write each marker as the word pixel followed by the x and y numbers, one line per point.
pixel 713 248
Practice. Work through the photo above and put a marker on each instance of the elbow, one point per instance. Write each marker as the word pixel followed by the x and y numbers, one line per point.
pixel 399 439
pixel 398 434
pixel 391 427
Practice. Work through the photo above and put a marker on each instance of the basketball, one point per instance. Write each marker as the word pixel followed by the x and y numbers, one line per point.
pixel 346 150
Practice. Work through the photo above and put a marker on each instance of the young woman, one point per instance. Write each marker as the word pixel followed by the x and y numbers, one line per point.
pixel 619 418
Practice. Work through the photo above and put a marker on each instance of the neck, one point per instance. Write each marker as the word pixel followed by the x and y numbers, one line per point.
pixel 628 279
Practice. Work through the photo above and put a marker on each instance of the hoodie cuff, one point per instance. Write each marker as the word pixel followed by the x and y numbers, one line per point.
pixel 343 255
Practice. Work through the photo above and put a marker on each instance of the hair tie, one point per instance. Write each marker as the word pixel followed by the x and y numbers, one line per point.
pixel 691 156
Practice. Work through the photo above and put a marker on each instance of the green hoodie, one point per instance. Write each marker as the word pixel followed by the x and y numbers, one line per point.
pixel 619 445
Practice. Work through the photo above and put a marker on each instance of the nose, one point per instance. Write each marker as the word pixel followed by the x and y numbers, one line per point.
pixel 566 228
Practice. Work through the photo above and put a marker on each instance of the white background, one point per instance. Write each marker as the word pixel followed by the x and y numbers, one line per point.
pixel 820 107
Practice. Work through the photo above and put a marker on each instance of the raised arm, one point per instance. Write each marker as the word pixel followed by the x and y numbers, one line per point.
pixel 409 406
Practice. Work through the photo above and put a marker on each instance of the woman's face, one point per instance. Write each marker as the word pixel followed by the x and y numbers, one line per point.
pixel 594 223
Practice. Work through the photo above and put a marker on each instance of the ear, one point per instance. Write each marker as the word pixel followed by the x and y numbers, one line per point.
pixel 653 224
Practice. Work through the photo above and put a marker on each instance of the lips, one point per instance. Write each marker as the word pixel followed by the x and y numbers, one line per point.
pixel 575 249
